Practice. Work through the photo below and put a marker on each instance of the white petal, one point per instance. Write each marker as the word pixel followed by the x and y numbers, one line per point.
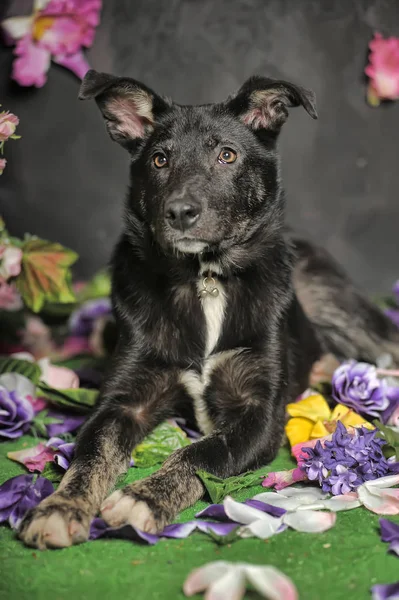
pixel 229 587
pixel 40 4
pixel 278 500
pixel 315 492
pixel 262 529
pixel 380 501
pixel 199 579
pixel 241 513
pixel 23 356
pixel 44 364
pixel 18 383
pixel 271 583
pixel 17 27
pixel 309 521
pixel 343 502
pixel 383 482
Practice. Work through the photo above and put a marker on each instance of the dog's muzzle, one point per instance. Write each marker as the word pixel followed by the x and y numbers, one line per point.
pixel 182 214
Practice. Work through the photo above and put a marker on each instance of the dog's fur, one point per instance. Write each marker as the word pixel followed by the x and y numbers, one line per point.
pixel 230 358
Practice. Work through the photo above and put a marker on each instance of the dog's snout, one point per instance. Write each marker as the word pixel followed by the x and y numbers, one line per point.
pixel 182 215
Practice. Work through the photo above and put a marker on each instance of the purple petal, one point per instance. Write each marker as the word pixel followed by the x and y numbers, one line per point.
pixel 34 494
pixel 389 530
pixel 99 529
pixel 214 511
pixel 183 530
pixel 68 423
pixel 13 489
pixel 275 511
pixel 394 547
pixel 389 591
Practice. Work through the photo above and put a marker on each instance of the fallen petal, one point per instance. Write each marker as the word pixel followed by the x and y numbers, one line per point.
pixel 282 479
pixel 309 521
pixel 343 502
pixel 263 529
pixel 199 579
pixel 379 501
pixel 383 482
pixel 242 513
pixel 315 492
pixel 34 459
pixel 389 591
pixel 99 529
pixel 271 583
pixel 231 586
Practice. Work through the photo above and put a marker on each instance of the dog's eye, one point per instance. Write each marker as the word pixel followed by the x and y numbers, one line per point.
pixel 160 160
pixel 227 156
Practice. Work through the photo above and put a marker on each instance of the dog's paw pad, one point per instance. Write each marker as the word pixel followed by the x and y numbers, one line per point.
pixel 120 509
pixel 54 527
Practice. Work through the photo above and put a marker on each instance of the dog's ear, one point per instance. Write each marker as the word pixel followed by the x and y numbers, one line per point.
pixel 262 103
pixel 129 108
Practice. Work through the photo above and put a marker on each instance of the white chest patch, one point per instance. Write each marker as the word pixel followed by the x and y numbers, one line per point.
pixel 214 308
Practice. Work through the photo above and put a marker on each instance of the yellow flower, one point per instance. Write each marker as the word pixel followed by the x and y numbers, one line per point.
pixel 313 419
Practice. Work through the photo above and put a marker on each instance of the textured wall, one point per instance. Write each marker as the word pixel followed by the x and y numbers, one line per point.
pixel 65 180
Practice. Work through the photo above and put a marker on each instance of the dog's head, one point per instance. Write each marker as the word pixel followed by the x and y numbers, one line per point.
pixel 203 177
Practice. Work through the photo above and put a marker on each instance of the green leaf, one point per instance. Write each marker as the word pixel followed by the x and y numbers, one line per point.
pixel 52 472
pixel 156 447
pixel 391 437
pixel 98 287
pixel 45 275
pixel 40 421
pixel 223 540
pixel 80 399
pixel 218 488
pixel 29 369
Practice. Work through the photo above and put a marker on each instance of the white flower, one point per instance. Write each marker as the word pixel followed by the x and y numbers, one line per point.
pixel 227 581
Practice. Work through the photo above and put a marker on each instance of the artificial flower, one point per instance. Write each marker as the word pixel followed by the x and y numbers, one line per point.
pixel 3 164
pixel 282 479
pixel 383 70
pixel 10 261
pixel 10 299
pixel 16 411
pixel 227 581
pixel 35 459
pixel 56 377
pixel 8 125
pixel 57 30
pixel 390 533
pixel 344 462
pixel 20 494
pixel 356 385
pixel 389 591
pixel 82 320
pixel 378 497
pixel 313 419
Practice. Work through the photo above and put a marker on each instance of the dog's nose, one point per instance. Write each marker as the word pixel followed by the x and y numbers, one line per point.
pixel 182 215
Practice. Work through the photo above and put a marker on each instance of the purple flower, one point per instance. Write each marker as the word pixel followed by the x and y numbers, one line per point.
pixel 390 533
pixel 347 461
pixel 389 591
pixel 21 493
pixel 82 320
pixel 68 422
pixel 356 385
pixel 64 452
pixel 16 410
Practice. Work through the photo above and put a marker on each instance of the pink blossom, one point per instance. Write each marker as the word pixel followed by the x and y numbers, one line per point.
pixel 3 163
pixel 8 124
pixel 383 70
pixel 10 265
pixel 57 30
pixel 9 296
pixel 282 479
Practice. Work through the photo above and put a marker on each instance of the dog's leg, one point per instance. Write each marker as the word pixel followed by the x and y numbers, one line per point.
pixel 103 451
pixel 247 408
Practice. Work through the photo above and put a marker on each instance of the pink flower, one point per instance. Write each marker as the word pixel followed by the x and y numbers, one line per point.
pixel 383 70
pixel 10 261
pixel 8 124
pixel 57 30
pixel 9 296
pixel 3 163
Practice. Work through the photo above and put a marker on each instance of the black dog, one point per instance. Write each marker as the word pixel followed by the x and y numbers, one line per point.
pixel 203 292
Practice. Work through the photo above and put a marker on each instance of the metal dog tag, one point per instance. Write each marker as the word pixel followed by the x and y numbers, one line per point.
pixel 209 288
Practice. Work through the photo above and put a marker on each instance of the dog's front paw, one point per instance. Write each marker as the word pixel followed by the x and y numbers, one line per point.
pixel 56 522
pixel 138 506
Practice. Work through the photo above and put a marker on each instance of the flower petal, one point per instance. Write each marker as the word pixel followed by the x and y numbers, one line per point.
pixel 343 502
pixel 379 500
pixel 12 490
pixel 298 430
pixel 271 583
pixel 199 579
pixel 310 521
pixel 231 586
pixel 384 482
pixel 17 27
pixel 263 528
pixel 282 479
pixel 242 513
pixel 76 63
pixel 17 383
pixel 313 407
pixel 33 495
pixel 389 530
pixel 35 458
pixel 99 529
pixel 32 63
pixel 389 591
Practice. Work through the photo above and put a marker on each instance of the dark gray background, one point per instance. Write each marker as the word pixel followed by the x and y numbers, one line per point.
pixel 65 179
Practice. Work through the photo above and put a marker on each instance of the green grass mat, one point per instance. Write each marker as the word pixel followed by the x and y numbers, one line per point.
pixel 342 563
